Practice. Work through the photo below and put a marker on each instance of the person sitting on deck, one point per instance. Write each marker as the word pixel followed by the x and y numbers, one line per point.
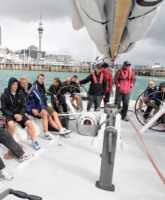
pixel 24 86
pixel 155 101
pixel 161 98
pixel 148 93
pixel 57 98
pixel 13 108
pixel 37 106
pixel 96 88
pixel 75 90
pixel 66 85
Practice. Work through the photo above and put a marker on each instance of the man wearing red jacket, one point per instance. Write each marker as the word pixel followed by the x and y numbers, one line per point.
pixel 124 81
pixel 108 77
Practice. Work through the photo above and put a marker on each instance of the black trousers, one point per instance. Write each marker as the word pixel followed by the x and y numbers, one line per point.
pixel 124 99
pixel 62 103
pixel 8 141
pixel 2 165
pixel 96 100
pixel 147 112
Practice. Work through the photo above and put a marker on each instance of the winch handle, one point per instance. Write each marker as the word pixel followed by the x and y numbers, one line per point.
pixel 24 195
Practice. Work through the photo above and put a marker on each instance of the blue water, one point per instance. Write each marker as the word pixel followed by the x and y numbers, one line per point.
pixel 141 82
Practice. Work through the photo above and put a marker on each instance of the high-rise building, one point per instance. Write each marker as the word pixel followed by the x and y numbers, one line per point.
pixel 40 32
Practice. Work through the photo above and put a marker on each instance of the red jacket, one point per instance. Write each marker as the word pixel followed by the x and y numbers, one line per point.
pixel 108 77
pixel 125 80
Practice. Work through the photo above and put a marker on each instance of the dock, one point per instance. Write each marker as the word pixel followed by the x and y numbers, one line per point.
pixel 45 67
pixel 156 72
pixel 84 68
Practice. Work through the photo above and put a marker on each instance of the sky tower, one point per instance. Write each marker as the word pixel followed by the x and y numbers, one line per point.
pixel 40 32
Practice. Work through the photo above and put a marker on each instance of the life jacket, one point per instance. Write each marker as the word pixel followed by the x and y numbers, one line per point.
pixel 125 80
pixel 108 77
pixel 95 79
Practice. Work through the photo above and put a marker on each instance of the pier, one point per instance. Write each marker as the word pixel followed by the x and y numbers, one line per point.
pixel 44 67
pixel 156 72
pixel 85 68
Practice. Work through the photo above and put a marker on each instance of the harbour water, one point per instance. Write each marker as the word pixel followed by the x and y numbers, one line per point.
pixel 141 81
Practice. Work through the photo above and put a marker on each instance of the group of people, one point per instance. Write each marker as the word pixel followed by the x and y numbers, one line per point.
pixel 100 88
pixel 22 100
pixel 19 101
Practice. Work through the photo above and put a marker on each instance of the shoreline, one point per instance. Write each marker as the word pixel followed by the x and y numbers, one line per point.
pixel 48 68
pixel 75 69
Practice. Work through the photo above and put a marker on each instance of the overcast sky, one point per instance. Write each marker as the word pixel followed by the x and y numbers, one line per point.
pixel 19 21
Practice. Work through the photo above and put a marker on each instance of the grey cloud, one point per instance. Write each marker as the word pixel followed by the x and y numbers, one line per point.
pixel 152 48
pixel 29 10
pixel 157 30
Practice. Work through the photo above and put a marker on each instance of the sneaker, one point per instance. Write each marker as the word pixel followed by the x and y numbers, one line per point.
pixel 5 176
pixel 35 145
pixel 64 131
pixel 47 136
pixel 125 119
pixel 97 109
pixel 24 157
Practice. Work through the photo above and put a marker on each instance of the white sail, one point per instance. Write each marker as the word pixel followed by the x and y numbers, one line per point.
pixel 114 25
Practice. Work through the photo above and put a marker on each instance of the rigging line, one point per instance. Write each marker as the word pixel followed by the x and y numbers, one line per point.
pixel 95 20
pixel 147 3
pixel 139 16
pixel 147 152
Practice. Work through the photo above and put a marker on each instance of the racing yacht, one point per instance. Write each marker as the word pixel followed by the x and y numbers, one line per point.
pixel 69 167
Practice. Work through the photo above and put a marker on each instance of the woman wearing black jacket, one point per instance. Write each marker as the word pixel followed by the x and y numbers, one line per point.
pixel 57 97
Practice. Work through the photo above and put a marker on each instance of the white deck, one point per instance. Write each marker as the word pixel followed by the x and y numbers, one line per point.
pixel 70 171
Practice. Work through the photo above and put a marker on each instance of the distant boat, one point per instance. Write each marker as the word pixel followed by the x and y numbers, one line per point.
pixel 156 65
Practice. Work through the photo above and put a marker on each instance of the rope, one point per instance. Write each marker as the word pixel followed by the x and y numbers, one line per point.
pixel 148 154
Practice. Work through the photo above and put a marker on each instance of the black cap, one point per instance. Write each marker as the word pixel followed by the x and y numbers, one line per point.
pixel 105 65
pixel 126 63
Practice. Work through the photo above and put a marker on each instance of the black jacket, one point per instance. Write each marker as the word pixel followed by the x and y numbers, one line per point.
pixel 96 89
pixel 54 90
pixel 25 93
pixel 12 104
pixel 66 87
pixel 74 88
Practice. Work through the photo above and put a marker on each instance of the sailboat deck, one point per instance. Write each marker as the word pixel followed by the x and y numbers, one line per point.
pixel 70 170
